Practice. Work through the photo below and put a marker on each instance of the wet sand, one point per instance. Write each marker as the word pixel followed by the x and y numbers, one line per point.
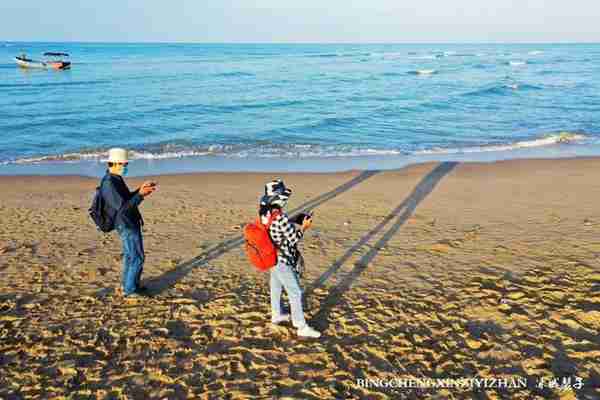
pixel 432 271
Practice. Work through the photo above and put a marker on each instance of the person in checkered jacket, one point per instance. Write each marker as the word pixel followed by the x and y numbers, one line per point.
pixel 285 234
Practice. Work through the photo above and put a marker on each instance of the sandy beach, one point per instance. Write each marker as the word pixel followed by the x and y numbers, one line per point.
pixel 450 270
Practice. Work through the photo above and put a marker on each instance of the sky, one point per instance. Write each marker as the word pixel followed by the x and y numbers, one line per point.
pixel 301 21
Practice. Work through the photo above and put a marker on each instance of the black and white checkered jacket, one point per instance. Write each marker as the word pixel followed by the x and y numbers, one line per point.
pixel 286 236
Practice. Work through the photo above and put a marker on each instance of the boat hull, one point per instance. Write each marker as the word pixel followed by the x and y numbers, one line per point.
pixel 30 64
pixel 58 65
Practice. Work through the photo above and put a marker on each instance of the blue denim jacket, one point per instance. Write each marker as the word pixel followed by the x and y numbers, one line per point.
pixel 121 202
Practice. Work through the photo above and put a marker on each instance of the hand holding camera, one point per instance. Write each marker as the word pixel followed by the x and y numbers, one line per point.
pixel 307 221
pixel 147 188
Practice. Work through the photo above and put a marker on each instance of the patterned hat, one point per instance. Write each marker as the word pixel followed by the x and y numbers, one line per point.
pixel 276 186
pixel 276 194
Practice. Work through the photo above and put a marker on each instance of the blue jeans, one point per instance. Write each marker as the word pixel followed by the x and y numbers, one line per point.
pixel 133 258
pixel 283 277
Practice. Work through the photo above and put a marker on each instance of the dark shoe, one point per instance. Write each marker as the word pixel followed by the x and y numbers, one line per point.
pixel 142 289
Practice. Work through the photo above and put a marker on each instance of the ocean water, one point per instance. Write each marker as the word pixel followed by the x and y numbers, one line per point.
pixel 296 105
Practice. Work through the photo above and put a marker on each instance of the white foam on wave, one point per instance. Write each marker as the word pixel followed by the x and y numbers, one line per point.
pixel 144 155
pixel 68 157
pixel 238 151
pixel 517 63
pixel 535 53
pixel 555 139
pixel 311 151
pixel 102 156
pixel 296 151
pixel 426 57
pixel 422 72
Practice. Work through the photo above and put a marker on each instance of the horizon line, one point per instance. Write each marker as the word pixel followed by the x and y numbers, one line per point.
pixel 299 43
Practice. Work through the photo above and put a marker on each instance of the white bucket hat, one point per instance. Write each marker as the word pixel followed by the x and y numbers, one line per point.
pixel 117 155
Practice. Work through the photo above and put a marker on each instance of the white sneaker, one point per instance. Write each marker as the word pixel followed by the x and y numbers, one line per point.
pixel 307 331
pixel 280 319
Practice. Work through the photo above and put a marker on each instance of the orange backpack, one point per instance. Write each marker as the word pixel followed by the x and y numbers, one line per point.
pixel 260 249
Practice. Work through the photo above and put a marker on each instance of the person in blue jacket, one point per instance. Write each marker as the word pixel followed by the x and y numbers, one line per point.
pixel 123 205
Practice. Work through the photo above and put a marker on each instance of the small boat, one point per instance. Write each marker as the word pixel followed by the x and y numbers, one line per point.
pixel 54 63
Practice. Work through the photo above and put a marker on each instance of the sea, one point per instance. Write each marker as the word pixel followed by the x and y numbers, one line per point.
pixel 295 107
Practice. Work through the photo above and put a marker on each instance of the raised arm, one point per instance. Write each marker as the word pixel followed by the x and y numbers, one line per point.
pixel 118 198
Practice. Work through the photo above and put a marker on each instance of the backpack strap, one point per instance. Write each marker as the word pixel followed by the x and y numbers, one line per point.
pixel 274 214
pixel 272 217
pixel 102 181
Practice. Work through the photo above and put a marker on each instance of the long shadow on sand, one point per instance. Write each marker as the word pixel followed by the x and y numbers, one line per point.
pixel 168 279
pixel 419 193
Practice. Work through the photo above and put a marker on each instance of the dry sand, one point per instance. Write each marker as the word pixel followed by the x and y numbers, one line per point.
pixel 432 271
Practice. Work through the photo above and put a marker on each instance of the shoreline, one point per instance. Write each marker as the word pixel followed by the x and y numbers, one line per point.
pixel 258 173
pixel 334 164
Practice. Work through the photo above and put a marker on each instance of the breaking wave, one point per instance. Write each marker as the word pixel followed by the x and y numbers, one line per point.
pixel 423 72
pixel 275 150
pixel 554 139
pixel 240 151
pixel 501 89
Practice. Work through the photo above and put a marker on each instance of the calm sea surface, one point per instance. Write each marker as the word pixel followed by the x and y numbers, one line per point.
pixel 288 103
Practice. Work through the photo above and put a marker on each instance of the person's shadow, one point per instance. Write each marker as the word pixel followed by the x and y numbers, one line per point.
pixel 168 279
pixel 402 213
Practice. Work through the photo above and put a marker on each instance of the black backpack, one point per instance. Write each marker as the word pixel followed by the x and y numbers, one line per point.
pixel 103 219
